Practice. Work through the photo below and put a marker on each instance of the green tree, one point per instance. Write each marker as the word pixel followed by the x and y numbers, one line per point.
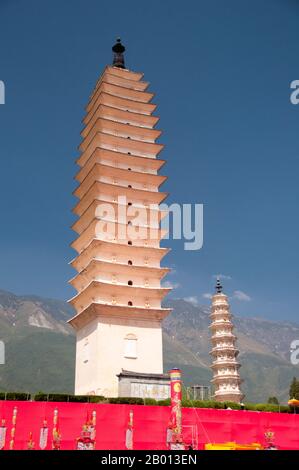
pixel 273 401
pixel 294 388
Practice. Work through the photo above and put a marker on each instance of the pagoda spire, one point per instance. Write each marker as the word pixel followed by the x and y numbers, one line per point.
pixel 218 286
pixel 225 367
pixel 118 54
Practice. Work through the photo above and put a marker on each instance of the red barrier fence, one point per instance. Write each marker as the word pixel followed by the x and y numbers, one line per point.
pixel 200 426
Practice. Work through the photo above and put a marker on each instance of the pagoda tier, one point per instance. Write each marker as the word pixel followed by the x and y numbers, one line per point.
pixel 120 160
pixel 118 294
pixel 222 335
pixel 228 361
pixel 108 174
pixel 220 323
pixel 224 347
pixel 98 209
pixel 114 252
pixel 112 192
pixel 103 111
pixel 126 145
pixel 131 107
pixel 119 129
pixel 140 315
pixel 119 291
pixel 119 233
pixel 128 82
pixel 226 378
pixel 99 269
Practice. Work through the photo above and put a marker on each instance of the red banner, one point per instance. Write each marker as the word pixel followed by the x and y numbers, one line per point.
pixel 38 422
pixel 175 426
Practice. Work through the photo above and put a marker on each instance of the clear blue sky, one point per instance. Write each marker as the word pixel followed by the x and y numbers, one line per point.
pixel 221 72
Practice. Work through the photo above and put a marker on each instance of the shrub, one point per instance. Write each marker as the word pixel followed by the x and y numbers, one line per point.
pixel 21 396
pixel 126 401
pixel 58 397
pixel 267 407
pixel 284 409
pixel 165 402
pixel 150 401
pixel 69 398
pixel 232 405
pixel 187 403
pixel 41 397
pixel 97 399
pixel 260 407
pixel 272 408
pixel 198 403
pixel 203 404
pixel 79 398
pixel 250 406
pixel 217 405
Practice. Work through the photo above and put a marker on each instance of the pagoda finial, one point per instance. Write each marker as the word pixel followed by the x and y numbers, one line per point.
pixel 118 54
pixel 218 286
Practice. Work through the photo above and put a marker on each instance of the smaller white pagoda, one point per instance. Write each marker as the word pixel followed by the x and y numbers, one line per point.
pixel 226 377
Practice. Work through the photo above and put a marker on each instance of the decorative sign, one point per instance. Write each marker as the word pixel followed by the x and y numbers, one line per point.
pixel 13 428
pixel 86 441
pixel 30 443
pixel 43 435
pixel 129 432
pixel 176 405
pixel 56 434
pixel 2 434
pixel 149 390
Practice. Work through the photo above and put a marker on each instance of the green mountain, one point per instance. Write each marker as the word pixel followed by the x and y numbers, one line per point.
pixel 264 350
pixel 40 347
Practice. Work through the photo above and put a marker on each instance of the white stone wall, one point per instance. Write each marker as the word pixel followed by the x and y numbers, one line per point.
pixel 97 368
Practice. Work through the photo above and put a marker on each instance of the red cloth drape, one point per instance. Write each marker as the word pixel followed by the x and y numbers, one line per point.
pixel 150 425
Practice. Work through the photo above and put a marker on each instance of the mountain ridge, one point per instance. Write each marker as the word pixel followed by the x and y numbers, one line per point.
pixel 40 347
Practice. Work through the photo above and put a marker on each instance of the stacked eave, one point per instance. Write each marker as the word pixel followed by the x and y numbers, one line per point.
pixel 224 352
pixel 118 160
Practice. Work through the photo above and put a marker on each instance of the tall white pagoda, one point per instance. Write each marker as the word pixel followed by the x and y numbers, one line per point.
pixel 118 281
pixel 226 378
